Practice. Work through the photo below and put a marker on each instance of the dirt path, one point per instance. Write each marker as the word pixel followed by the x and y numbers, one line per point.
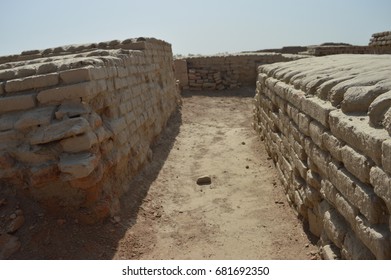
pixel 243 214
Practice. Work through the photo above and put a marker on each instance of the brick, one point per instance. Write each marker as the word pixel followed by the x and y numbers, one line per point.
pixel 381 182
pixel 77 166
pixel 317 109
pixel 16 103
pixel 318 156
pixel 59 130
pixel 36 117
pixel 346 209
pixel 358 134
pixel 356 163
pixel 330 252
pixel 316 131
pixel 315 223
pixel 116 126
pixel 76 75
pixel 328 191
pixel 10 138
pixel 332 144
pixel 313 179
pixel 71 109
pixel 79 143
pixel 342 180
pixel 386 155
pixel 304 123
pixel 33 82
pixel 376 238
pixel 8 120
pixel 335 227
pixel 84 91
pixel 355 249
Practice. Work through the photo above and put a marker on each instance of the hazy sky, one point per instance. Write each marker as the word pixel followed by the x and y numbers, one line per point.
pixel 200 26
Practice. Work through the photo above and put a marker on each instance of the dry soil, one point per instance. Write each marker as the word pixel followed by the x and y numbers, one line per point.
pixel 242 214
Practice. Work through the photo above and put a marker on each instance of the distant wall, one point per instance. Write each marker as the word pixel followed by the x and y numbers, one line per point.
pixel 76 122
pixel 326 122
pixel 225 71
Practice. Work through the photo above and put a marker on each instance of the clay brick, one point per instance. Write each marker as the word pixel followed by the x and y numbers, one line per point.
pixel 79 143
pixel 313 179
pixel 316 131
pixel 315 223
pixel 77 166
pixel 386 156
pixel 376 238
pixel 76 75
pixel 84 91
pixel 304 123
pixel 346 209
pixel 355 249
pixel 335 227
pixel 358 134
pixel 16 103
pixel 36 117
pixel 356 163
pixel 381 182
pixel 33 82
pixel 330 252
pixel 317 109
pixel 333 145
pixel 328 191
pixel 60 130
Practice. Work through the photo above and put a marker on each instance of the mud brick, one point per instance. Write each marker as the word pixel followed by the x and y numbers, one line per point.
pixel 333 145
pixel 335 227
pixel 376 238
pixel 356 163
pixel 17 103
pixel 318 109
pixel 381 182
pixel 357 132
pixel 32 82
pixel 386 156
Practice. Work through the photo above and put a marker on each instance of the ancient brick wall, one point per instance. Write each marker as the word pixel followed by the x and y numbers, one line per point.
pixel 77 122
pixel 326 122
pixel 226 71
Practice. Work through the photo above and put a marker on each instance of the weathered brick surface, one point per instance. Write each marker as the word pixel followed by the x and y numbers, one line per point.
pixel 328 156
pixel 79 125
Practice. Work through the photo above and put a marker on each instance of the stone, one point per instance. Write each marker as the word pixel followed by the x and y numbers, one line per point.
pixel 204 180
pixel 9 245
pixel 76 75
pixel 356 249
pixel 317 109
pixel 335 227
pixel 15 224
pixel 59 130
pixel 381 182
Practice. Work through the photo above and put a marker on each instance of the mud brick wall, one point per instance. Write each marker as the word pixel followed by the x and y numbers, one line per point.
pixel 326 122
pixel 227 71
pixel 381 42
pixel 330 50
pixel 77 122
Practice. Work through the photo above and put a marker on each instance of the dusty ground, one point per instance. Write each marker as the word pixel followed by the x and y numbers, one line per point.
pixel 242 214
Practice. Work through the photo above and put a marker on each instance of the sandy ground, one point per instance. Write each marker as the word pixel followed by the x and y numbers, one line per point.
pixel 242 214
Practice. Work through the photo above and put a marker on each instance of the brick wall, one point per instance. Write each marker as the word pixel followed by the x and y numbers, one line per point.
pixel 225 71
pixel 326 122
pixel 76 122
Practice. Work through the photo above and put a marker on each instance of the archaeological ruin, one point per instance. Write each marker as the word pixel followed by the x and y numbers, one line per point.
pixel 77 123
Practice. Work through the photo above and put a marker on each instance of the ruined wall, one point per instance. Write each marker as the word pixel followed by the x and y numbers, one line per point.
pixel 226 71
pixel 326 122
pixel 76 122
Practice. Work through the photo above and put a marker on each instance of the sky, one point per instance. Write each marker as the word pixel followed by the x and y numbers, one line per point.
pixel 192 27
